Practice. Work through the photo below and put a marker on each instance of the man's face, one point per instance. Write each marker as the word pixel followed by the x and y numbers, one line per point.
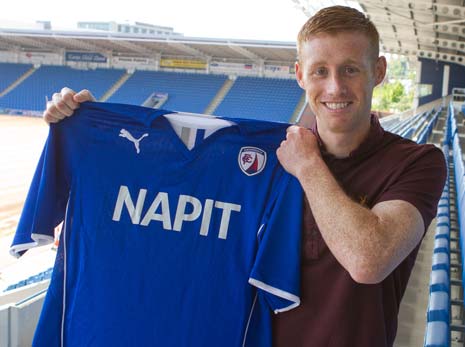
pixel 338 73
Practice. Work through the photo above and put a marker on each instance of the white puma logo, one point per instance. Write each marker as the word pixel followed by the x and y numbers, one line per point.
pixel 127 134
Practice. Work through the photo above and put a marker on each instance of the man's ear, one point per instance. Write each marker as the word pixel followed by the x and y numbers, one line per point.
pixel 380 69
pixel 299 75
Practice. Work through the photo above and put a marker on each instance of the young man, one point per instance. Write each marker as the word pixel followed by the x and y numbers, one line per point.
pixel 371 195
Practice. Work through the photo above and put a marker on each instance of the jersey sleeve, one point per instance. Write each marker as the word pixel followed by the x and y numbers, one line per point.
pixel 45 204
pixel 276 271
pixel 421 183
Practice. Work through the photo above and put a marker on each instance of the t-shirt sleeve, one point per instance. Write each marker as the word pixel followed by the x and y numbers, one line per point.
pixel 421 183
pixel 45 204
pixel 276 271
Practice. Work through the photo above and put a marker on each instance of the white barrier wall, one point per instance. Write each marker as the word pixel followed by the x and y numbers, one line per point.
pixel 13 296
pixel 18 322
pixel 4 326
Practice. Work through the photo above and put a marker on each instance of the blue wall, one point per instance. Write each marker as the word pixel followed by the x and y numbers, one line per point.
pixel 432 73
pixel 456 77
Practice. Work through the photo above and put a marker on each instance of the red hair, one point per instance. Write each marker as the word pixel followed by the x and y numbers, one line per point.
pixel 336 19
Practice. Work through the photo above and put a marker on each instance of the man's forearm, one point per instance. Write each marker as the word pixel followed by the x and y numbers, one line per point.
pixel 355 235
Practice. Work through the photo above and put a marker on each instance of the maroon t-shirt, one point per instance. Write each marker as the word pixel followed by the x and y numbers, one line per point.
pixel 335 311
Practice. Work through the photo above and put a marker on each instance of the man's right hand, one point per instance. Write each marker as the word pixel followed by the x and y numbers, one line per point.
pixel 64 103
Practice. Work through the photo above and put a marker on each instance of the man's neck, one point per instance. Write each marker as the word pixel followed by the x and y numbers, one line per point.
pixel 342 144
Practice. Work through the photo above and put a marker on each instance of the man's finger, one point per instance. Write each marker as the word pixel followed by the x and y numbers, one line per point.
pixel 64 109
pixel 57 112
pixel 49 117
pixel 292 129
pixel 84 95
pixel 66 90
pixel 56 97
pixel 58 107
pixel 67 96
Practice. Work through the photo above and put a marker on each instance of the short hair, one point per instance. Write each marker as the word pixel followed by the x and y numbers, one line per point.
pixel 336 19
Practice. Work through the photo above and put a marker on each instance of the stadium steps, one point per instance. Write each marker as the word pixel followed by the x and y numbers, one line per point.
pixel 219 96
pixel 412 317
pixel 298 109
pixel 115 86
pixel 414 304
pixel 18 81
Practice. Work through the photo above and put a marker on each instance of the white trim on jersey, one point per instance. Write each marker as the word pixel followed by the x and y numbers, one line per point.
pixel 248 321
pixel 39 240
pixel 260 229
pixel 194 122
pixel 277 292
pixel 63 239
pixel 288 308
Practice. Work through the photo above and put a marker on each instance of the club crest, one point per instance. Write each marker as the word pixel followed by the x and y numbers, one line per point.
pixel 251 160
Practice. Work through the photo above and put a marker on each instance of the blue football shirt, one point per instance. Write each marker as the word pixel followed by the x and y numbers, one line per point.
pixel 168 239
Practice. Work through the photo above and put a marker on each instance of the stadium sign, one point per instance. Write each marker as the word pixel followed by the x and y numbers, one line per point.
pixel 85 57
pixel 183 63
pixel 240 68
pixel 277 68
pixel 134 62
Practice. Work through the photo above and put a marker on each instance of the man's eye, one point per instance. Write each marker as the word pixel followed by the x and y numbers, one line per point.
pixel 351 70
pixel 320 71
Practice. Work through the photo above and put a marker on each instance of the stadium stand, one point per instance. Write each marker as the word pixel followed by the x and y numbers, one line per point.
pixel 248 97
pixel 32 93
pixel 186 91
pixel 407 126
pixel 445 304
pixel 438 314
pixel 41 276
pixel 430 121
pixel 10 73
pixel 251 97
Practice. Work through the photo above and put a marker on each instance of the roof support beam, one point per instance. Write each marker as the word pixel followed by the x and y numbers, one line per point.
pixel 245 52
pixel 131 46
pixel 187 49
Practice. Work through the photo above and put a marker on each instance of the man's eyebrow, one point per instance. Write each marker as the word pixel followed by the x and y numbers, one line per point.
pixel 345 62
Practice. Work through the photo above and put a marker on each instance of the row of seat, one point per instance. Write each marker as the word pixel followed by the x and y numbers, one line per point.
pixel 438 312
pixel 437 333
pixel 186 92
pixel 41 276
pixel 427 130
pixel 407 127
pixel 459 171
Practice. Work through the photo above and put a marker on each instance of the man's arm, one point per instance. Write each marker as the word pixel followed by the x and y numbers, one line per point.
pixel 369 244
pixel 64 103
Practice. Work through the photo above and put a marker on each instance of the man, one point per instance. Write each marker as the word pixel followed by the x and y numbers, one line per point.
pixel 370 194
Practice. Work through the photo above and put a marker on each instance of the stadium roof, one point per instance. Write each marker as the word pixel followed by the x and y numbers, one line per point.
pixel 432 29
pixel 147 45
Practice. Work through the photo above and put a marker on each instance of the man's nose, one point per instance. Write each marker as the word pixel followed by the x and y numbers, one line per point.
pixel 336 85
